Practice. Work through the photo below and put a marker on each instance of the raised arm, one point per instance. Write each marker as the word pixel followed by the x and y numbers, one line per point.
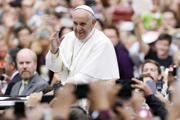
pixel 53 58
pixel 144 48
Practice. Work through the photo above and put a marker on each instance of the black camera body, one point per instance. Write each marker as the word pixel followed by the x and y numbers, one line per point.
pixel 81 91
pixel 19 110
pixel 174 72
pixel 55 87
pixel 126 91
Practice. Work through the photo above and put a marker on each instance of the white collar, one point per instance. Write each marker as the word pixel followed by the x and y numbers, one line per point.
pixel 14 74
pixel 25 82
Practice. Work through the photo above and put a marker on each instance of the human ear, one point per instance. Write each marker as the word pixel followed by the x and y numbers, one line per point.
pixel 94 22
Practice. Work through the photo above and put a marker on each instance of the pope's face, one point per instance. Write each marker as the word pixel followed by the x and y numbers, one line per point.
pixel 83 23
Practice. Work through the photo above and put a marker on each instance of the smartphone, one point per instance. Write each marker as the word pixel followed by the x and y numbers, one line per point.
pixel 81 91
pixel 19 110
pixel 152 85
pixel 174 72
pixel 159 85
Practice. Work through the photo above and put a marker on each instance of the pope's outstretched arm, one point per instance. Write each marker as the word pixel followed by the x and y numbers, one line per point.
pixel 53 58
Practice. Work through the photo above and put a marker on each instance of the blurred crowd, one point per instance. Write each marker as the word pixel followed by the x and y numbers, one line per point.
pixel 146 38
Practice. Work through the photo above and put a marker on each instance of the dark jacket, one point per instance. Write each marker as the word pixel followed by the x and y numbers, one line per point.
pixel 14 80
pixel 157 107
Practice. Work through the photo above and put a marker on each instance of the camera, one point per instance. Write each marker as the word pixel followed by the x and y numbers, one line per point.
pixel 19 110
pixel 55 87
pixel 47 98
pixel 174 72
pixel 126 91
pixel 81 91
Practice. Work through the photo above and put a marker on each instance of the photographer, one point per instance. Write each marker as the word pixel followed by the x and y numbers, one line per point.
pixel 154 103
pixel 152 68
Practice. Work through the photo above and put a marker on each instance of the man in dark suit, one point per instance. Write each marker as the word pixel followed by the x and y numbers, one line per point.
pixel 31 81
pixel 11 69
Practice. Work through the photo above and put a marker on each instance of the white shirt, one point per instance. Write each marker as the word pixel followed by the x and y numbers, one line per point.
pixel 13 75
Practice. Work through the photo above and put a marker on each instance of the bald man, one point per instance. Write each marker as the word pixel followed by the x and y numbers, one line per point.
pixel 31 81
pixel 85 54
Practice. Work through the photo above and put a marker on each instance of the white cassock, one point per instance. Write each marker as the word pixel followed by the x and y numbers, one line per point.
pixel 83 61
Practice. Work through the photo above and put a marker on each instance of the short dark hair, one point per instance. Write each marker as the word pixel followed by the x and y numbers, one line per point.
pixel 62 29
pixel 100 22
pixel 153 62
pixel 165 36
pixel 21 28
pixel 12 55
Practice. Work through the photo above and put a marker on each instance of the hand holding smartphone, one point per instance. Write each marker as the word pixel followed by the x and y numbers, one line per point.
pixel 144 87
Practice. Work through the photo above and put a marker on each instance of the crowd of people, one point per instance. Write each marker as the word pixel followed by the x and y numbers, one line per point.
pixel 90 59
